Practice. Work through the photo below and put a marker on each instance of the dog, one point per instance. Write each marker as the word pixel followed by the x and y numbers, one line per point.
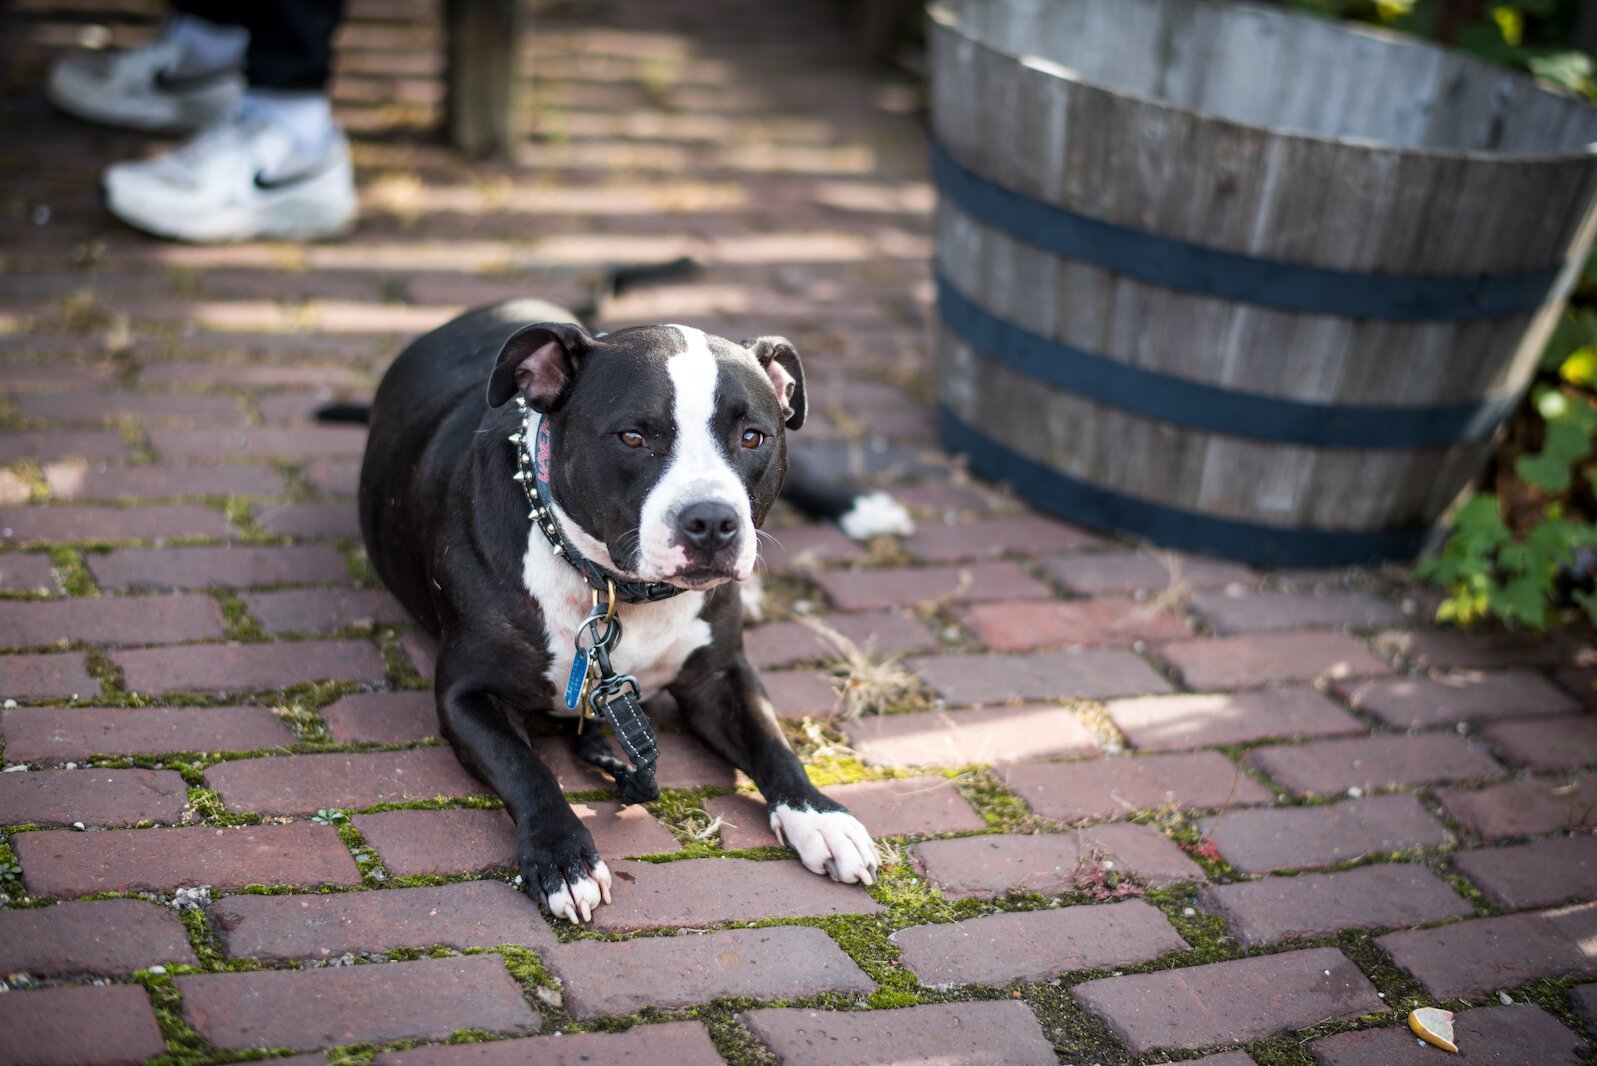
pixel 525 484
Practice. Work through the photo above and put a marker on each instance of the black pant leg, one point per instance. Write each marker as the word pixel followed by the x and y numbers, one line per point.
pixel 291 43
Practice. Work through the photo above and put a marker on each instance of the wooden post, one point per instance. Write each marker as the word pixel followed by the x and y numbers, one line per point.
pixel 484 109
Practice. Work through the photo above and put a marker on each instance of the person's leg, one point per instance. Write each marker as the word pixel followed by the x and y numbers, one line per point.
pixel 277 166
pixel 188 77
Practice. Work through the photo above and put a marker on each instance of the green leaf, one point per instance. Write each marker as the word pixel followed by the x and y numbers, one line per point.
pixel 1568 70
pixel 1523 599
pixel 1553 469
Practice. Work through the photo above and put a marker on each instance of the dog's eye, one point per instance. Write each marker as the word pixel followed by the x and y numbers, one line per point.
pixel 753 438
pixel 632 438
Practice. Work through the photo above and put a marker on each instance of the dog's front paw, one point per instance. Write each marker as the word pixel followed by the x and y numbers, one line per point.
pixel 827 842
pixel 568 875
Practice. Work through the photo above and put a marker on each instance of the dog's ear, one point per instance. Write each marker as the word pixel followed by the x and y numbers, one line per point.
pixel 781 362
pixel 540 362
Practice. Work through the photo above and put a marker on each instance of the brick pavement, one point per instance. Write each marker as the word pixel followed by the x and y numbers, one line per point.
pixel 1134 803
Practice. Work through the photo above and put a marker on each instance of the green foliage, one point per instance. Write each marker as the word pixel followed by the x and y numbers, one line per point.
pixel 1494 568
pixel 1528 34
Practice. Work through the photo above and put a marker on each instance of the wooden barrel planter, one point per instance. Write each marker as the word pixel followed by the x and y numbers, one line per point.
pixel 1238 281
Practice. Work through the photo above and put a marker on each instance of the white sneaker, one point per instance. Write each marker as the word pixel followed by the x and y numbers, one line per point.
pixel 224 185
pixel 137 89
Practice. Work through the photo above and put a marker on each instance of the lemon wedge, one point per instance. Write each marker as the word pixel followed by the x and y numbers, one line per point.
pixel 1434 1026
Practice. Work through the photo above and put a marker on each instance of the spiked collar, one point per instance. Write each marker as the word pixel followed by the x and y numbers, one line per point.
pixel 533 459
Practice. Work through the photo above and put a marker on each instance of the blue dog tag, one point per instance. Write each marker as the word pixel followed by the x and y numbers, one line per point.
pixel 574 683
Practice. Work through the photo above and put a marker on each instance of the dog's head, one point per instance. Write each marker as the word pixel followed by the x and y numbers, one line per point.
pixel 668 446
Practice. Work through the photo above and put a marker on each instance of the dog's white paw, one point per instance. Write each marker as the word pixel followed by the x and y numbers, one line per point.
pixel 875 514
pixel 575 900
pixel 827 842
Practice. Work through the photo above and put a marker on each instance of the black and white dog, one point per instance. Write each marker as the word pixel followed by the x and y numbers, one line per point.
pixel 656 453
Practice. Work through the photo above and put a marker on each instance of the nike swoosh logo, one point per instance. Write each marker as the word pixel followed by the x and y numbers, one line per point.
pixel 265 184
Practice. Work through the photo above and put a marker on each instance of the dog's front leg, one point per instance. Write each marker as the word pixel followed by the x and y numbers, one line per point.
pixel 554 850
pixel 729 710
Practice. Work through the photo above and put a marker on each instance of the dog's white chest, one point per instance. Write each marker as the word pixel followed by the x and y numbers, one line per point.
pixel 656 638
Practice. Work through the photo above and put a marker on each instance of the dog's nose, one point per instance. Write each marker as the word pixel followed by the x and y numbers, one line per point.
pixel 708 525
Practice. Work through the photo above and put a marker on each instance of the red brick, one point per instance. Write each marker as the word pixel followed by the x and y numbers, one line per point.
pixel 1049 863
pixel 865 590
pixel 235 566
pixel 1106 620
pixel 306 1009
pixel 336 477
pixel 1229 1002
pixel 194 374
pixel 684 763
pixel 1542 874
pixel 1420 702
pixel 702 892
pixel 1385 896
pixel 1000 949
pixel 776 962
pixel 248 667
pixel 1125 572
pixel 1546 745
pixel 111 1025
pixel 1580 682
pixel 44 677
pixel 996 536
pixel 79 522
pixel 1504 1034
pixel 422 651
pixel 139 406
pixel 300 406
pixel 1092 674
pixel 105 938
pixel 875 633
pixel 91 796
pixel 310 521
pixel 1265 612
pixel 1470 959
pixel 65 863
pixel 678 1043
pixel 987 735
pixel 304 784
pixel 317 441
pixel 1526 807
pixel 1584 999
pixel 475 841
pixel 97 481
pixel 1331 767
pixel 1174 723
pixel 110 620
pixel 1115 787
pixel 803 548
pixel 383 718
pixel 1257 842
pixel 1435 649
pixel 54 374
pixel 901 807
pixel 56 734
pixel 62 444
pixel 26 573
pixel 470 914
pixel 1250 661
pixel 801 693
pixel 978 1033
pixel 322 610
